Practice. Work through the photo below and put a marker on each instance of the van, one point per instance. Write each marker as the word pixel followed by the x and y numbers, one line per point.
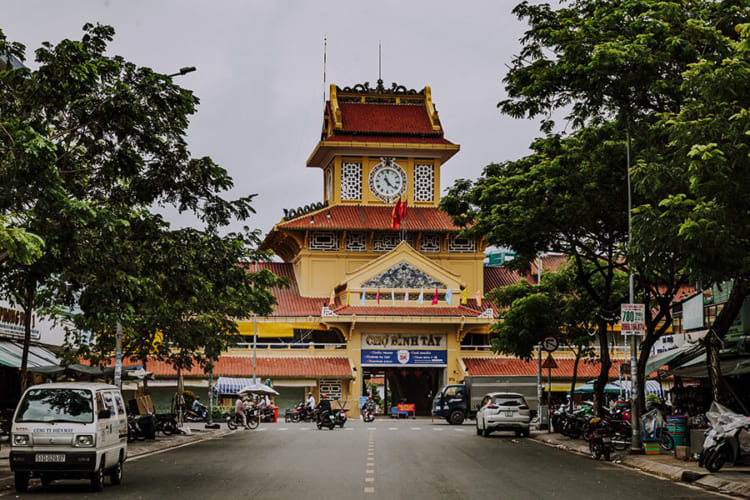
pixel 69 430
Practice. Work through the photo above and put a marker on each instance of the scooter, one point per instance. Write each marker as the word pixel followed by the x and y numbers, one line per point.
pixel 368 413
pixel 325 418
pixel 600 439
pixel 199 415
pixel 234 420
pixel 728 439
pixel 339 416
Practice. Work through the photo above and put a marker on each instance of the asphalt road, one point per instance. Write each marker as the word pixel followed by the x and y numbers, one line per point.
pixel 397 459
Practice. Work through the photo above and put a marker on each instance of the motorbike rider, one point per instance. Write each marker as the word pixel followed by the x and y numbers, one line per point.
pixel 310 401
pixel 323 408
pixel 197 406
pixel 370 404
pixel 239 408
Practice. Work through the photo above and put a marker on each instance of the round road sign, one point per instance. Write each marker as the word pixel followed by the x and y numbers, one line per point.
pixel 550 343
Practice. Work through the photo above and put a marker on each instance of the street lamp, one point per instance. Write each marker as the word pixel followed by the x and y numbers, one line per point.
pixel 183 71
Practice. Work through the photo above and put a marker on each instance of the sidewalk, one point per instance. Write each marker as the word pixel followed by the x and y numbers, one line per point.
pixel 198 432
pixel 729 480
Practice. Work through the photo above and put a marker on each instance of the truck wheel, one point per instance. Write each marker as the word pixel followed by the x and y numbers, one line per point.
pixel 97 478
pixel 22 482
pixel 456 417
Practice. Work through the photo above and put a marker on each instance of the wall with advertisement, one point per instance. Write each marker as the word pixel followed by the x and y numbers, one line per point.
pixel 380 349
pixel 12 326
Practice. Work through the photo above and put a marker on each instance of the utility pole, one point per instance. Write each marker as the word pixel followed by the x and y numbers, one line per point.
pixel 635 417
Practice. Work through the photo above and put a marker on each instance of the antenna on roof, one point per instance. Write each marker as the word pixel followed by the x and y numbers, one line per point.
pixel 380 61
pixel 325 49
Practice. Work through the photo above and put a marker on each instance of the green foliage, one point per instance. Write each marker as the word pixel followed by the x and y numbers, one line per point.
pixel 89 144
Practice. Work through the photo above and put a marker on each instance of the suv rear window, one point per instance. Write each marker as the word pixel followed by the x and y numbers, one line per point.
pixel 56 405
pixel 509 401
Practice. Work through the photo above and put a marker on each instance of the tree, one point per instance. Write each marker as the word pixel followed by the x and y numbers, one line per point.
pixel 91 144
pixel 568 196
pixel 699 183
pixel 556 307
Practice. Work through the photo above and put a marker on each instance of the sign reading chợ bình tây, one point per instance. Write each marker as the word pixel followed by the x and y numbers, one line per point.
pixel 633 319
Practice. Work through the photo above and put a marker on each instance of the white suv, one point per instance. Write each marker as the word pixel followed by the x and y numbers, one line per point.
pixel 503 411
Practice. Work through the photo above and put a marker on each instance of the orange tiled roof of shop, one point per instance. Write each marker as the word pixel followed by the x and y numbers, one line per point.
pixel 513 366
pixel 242 366
pixel 377 218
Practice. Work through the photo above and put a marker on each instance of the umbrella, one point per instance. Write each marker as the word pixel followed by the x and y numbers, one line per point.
pixel 258 389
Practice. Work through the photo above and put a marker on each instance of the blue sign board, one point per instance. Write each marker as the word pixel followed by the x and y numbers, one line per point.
pixel 404 357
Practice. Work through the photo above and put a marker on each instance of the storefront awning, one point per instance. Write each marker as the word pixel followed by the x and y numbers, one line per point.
pixel 663 358
pixel 11 354
pixel 231 385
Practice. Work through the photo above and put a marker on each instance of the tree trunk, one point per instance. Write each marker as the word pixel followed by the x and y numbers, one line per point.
pixel 575 377
pixel 717 331
pixel 646 345
pixel 601 380
pixel 28 309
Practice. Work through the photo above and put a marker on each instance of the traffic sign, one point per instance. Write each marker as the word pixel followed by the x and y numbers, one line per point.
pixel 632 319
pixel 549 362
pixel 550 343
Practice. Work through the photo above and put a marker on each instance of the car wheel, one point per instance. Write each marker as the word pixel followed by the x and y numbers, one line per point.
pixel 456 417
pixel 526 433
pixel 517 433
pixel 97 480
pixel 486 431
pixel 46 480
pixel 115 475
pixel 479 431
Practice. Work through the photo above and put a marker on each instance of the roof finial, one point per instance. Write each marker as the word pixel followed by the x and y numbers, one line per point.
pixel 380 87
pixel 325 49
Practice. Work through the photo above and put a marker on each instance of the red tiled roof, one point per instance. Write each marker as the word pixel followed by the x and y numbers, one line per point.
pixel 515 366
pixel 374 218
pixel 239 366
pixel 499 276
pixel 386 119
pixel 423 310
pixel 290 303
pixel 550 262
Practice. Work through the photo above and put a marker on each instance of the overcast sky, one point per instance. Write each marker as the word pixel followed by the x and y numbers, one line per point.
pixel 260 75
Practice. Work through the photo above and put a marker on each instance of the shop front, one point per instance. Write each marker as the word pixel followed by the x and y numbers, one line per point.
pixel 412 367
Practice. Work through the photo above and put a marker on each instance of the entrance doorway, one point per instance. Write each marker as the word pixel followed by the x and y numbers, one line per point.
pixel 411 385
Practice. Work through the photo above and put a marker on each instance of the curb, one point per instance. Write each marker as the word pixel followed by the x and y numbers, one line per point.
pixel 196 437
pixel 705 481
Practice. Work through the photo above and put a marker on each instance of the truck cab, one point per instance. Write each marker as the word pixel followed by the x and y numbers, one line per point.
pixel 451 403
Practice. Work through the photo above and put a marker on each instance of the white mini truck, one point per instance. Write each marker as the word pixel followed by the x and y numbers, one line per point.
pixel 69 430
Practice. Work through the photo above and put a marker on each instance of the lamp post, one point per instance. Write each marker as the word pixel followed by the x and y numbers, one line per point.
pixel 183 71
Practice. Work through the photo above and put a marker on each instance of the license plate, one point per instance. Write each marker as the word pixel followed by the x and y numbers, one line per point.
pixel 607 439
pixel 508 413
pixel 46 457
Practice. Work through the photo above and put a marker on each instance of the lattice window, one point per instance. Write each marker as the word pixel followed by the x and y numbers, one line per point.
pixel 351 181
pixel 331 387
pixel 384 242
pixel 323 240
pixel 461 245
pixel 429 243
pixel 356 242
pixel 424 182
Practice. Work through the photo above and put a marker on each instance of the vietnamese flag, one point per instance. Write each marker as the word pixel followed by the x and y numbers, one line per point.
pixel 435 298
pixel 396 215
pixel 403 209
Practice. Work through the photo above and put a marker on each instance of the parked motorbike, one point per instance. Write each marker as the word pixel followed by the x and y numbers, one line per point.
pixel 727 440
pixel 600 438
pixel 190 415
pixel 166 423
pixel 141 427
pixel 234 419
pixel 267 414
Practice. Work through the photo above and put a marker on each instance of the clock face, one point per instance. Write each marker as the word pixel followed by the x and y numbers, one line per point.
pixel 387 181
